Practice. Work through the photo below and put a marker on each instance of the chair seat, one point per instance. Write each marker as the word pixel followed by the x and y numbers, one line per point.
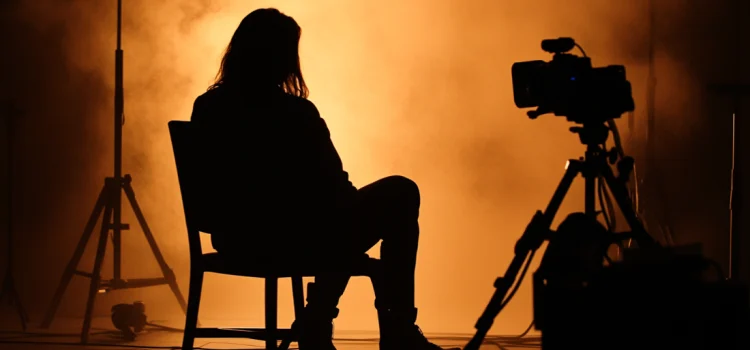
pixel 261 268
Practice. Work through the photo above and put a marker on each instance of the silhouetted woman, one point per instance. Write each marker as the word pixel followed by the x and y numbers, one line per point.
pixel 301 202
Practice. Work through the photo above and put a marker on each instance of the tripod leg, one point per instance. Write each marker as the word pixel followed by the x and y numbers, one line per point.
pixel 70 270
pixel 572 170
pixel 96 274
pixel 531 239
pixel 590 195
pixel 620 193
pixel 166 271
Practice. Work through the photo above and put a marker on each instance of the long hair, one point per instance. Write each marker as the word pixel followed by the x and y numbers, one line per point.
pixel 264 53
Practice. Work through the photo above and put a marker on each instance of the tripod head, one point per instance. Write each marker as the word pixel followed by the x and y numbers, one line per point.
pixel 592 134
pixel 595 135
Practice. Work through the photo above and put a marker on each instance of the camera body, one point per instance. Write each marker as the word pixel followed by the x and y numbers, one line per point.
pixel 570 86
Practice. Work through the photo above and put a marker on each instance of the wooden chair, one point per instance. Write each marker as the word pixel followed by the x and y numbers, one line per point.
pixel 183 139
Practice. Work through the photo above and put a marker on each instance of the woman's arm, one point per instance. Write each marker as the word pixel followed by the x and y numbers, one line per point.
pixel 329 162
pixel 199 110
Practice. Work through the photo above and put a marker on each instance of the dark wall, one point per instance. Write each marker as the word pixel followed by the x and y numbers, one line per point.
pixel 692 157
pixel 59 146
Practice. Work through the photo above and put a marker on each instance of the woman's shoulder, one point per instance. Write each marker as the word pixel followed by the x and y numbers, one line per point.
pixel 208 97
pixel 291 105
pixel 302 105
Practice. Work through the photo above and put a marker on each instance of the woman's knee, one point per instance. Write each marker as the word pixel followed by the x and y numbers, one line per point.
pixel 407 191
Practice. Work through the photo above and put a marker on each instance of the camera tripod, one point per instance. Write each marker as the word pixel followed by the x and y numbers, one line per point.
pixel 109 203
pixel 593 166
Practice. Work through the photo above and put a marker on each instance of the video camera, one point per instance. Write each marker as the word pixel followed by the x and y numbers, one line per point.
pixel 569 86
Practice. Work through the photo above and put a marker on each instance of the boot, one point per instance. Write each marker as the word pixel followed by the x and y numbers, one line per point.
pixel 316 325
pixel 398 331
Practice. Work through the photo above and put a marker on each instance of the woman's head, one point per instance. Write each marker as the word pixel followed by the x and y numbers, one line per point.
pixel 264 53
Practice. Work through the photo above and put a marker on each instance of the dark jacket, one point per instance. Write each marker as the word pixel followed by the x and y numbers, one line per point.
pixel 271 171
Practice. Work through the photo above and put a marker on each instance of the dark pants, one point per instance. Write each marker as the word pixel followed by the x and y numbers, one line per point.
pixel 386 210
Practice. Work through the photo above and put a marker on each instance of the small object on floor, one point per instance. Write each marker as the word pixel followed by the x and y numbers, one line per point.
pixel 129 318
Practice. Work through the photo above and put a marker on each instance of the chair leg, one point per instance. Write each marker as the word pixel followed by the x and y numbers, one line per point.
pixel 191 317
pixel 298 294
pixel 272 290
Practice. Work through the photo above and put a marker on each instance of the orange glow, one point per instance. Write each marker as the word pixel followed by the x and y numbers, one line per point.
pixel 419 88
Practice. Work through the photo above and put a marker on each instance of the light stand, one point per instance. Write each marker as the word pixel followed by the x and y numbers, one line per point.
pixel 9 287
pixel 110 203
pixel 736 207
pixel 735 202
pixel 736 92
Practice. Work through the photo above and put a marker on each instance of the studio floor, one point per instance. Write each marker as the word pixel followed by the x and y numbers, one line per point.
pixel 65 334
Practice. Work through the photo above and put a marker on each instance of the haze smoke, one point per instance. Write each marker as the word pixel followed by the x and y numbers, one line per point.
pixel 419 88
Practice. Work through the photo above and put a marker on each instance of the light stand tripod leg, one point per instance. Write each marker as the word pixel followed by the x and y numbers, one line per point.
pixel 165 269
pixel 70 270
pixel 14 299
pixel 96 274
pixel 529 242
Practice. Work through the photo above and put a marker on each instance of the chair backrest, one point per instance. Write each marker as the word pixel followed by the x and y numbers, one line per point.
pixel 183 147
